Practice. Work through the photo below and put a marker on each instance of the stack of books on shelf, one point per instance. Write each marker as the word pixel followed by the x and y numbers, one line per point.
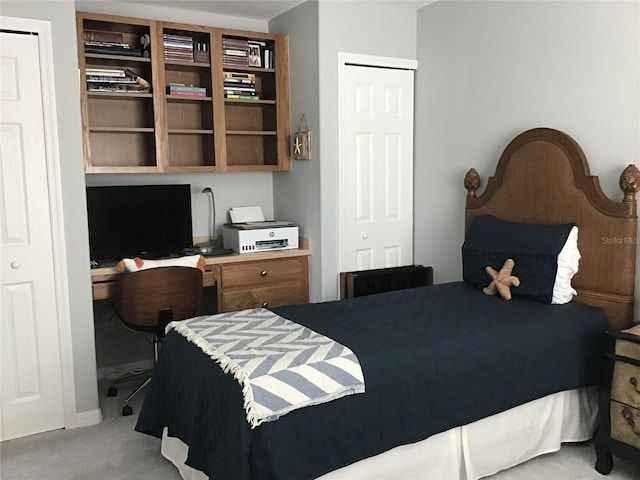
pixel 240 86
pixel 102 79
pixel 235 52
pixel 110 43
pixel 178 47
pixel 182 90
pixel 201 52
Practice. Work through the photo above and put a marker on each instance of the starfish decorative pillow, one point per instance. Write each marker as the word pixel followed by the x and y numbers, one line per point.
pixel 502 281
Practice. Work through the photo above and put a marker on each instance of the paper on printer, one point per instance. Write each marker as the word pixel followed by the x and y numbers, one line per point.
pixel 250 232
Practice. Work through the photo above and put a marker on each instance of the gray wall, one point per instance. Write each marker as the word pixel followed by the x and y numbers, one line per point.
pixel 382 28
pixel 231 189
pixel 490 70
pixel 318 31
pixel 296 194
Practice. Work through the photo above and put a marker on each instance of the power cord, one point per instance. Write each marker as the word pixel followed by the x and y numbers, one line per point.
pixel 115 373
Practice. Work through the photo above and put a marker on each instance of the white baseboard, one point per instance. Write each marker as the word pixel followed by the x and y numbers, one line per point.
pixel 91 417
pixel 145 364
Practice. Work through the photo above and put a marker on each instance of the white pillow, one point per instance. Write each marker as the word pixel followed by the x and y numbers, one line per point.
pixel 568 260
pixel 129 265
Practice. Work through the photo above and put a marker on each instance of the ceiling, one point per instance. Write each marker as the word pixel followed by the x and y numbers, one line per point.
pixel 259 9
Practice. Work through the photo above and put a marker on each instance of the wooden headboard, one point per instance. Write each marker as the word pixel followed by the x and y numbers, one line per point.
pixel 543 177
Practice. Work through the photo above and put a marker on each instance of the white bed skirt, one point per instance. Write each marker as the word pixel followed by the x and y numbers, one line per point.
pixel 469 452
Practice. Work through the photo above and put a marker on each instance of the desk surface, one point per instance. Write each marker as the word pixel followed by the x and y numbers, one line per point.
pixel 103 278
pixel 110 269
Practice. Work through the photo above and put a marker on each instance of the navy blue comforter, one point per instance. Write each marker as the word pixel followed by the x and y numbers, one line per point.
pixel 433 358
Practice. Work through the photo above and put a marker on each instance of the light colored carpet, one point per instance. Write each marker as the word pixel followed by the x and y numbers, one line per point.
pixel 113 450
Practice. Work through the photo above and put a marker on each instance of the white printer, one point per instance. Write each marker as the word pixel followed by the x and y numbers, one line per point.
pixel 249 232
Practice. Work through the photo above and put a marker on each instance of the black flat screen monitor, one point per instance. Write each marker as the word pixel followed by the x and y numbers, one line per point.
pixel 147 221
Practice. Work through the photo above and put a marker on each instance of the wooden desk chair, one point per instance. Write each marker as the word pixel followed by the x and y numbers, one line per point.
pixel 147 300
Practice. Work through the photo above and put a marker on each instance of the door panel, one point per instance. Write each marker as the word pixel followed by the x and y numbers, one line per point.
pixel 376 167
pixel 31 379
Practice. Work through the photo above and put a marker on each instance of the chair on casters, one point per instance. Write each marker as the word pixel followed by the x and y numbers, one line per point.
pixel 147 300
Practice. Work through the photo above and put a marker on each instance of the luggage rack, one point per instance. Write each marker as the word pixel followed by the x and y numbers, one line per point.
pixel 368 282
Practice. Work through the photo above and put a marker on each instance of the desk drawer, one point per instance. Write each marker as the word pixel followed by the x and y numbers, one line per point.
pixel 271 296
pixel 209 277
pixel 103 290
pixel 263 273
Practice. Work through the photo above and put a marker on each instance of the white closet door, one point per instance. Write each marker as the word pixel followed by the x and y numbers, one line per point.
pixel 376 167
pixel 31 378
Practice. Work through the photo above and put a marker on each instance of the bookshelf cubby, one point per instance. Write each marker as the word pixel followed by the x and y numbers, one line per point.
pixel 196 116
pixel 189 107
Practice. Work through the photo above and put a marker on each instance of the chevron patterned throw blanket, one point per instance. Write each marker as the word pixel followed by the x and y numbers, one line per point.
pixel 280 365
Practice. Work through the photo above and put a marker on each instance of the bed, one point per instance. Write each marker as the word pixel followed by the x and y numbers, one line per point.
pixel 459 384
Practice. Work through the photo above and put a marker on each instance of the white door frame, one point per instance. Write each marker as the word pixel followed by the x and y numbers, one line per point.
pixel 345 59
pixel 50 125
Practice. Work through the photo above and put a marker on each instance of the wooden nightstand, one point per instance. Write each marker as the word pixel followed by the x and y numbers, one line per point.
pixel 619 401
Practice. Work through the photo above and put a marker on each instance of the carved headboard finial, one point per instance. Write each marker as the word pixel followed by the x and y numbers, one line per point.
pixel 630 183
pixel 471 182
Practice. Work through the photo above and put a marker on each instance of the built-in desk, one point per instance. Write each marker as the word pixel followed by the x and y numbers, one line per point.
pixel 249 280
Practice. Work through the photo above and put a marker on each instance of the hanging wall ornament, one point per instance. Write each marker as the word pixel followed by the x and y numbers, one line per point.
pixel 301 141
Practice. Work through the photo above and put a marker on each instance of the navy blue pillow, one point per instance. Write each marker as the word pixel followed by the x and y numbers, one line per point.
pixel 534 249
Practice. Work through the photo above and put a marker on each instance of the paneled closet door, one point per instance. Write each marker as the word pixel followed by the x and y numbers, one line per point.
pixel 376 167
pixel 31 378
